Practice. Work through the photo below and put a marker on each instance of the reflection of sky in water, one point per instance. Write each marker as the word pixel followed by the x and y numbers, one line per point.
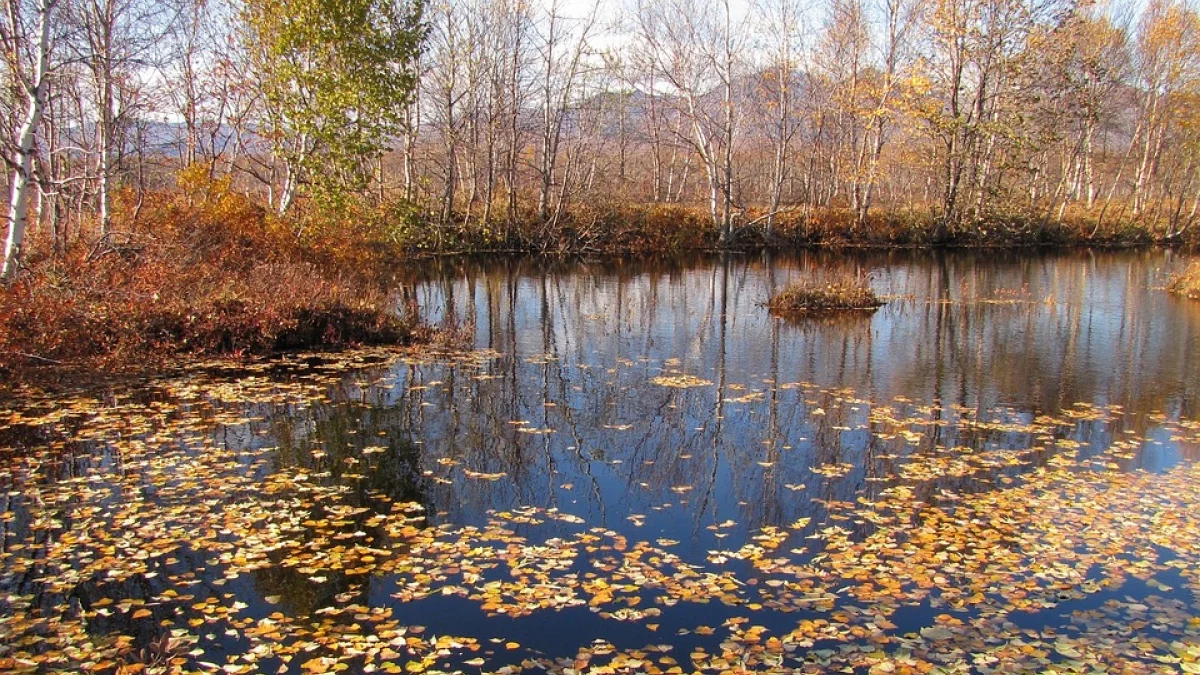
pixel 567 411
pixel 984 358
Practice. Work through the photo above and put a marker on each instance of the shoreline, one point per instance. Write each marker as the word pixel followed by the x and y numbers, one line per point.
pixel 253 290
pixel 834 246
pixel 641 229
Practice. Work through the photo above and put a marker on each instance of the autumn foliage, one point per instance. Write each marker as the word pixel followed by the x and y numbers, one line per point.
pixel 1187 282
pixel 200 271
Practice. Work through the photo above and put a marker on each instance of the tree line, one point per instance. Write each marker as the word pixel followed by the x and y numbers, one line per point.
pixel 492 114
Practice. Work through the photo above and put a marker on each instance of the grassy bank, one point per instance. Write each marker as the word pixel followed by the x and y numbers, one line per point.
pixel 198 274
pixel 635 228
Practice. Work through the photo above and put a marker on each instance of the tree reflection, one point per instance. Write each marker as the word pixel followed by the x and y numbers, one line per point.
pixel 966 334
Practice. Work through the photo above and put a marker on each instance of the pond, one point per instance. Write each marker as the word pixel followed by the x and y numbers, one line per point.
pixel 637 468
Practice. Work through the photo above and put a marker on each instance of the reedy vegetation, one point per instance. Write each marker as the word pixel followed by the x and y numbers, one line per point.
pixel 817 295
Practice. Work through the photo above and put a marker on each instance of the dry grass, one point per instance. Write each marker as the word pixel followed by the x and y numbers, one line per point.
pixel 848 293
pixel 606 226
pixel 197 275
pixel 1187 282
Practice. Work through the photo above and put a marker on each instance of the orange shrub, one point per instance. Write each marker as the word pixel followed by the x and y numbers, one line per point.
pixel 202 271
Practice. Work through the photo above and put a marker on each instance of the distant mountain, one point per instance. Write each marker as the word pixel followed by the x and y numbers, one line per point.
pixel 163 138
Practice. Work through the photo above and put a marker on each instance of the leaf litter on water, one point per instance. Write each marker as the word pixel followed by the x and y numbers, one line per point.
pixel 181 517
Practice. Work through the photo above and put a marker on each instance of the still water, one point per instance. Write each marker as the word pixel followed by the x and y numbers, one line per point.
pixel 638 469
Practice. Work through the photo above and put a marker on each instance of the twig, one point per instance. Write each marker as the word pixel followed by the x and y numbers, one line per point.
pixel 35 357
pixel 786 209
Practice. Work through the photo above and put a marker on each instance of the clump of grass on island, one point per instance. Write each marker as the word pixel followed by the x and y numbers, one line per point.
pixel 1187 282
pixel 849 293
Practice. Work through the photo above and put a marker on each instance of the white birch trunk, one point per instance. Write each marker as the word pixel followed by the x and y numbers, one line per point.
pixel 22 182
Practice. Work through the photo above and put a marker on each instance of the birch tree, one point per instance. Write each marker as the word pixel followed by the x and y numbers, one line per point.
pixel 563 48
pixel 450 49
pixel 29 37
pixel 1168 61
pixel 782 22
pixel 335 75
pixel 115 43
pixel 698 54
pixel 885 97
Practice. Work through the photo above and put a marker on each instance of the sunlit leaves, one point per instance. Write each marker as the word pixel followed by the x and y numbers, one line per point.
pixel 169 528
pixel 679 381
pixel 335 76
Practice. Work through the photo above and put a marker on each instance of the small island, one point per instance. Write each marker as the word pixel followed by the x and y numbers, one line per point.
pixel 1187 282
pixel 824 295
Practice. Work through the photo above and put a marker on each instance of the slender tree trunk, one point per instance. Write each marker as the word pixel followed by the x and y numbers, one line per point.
pixel 451 178
pixel 412 128
pixel 1148 144
pixel 1089 171
pixel 656 162
pixel 292 177
pixel 104 134
pixel 778 173
pixel 22 185
pixel 727 168
pixel 490 169
pixel 727 160
pixel 872 172
pixel 549 152
pixel 22 180
pixel 287 194
pixel 514 101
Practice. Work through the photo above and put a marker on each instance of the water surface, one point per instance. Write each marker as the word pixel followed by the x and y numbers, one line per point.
pixel 638 468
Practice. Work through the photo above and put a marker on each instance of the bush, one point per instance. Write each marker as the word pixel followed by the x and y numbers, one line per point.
pixel 1187 282
pixel 203 271
pixel 816 296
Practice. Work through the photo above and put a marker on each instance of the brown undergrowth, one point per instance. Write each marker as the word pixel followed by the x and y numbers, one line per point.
pixel 618 228
pixel 201 272
pixel 825 295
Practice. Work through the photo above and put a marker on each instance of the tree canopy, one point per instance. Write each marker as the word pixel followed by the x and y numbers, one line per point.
pixel 335 75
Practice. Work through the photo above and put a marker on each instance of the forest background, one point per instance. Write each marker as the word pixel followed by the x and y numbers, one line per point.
pixel 222 175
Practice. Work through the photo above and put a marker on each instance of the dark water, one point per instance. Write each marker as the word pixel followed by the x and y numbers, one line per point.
pixel 562 413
